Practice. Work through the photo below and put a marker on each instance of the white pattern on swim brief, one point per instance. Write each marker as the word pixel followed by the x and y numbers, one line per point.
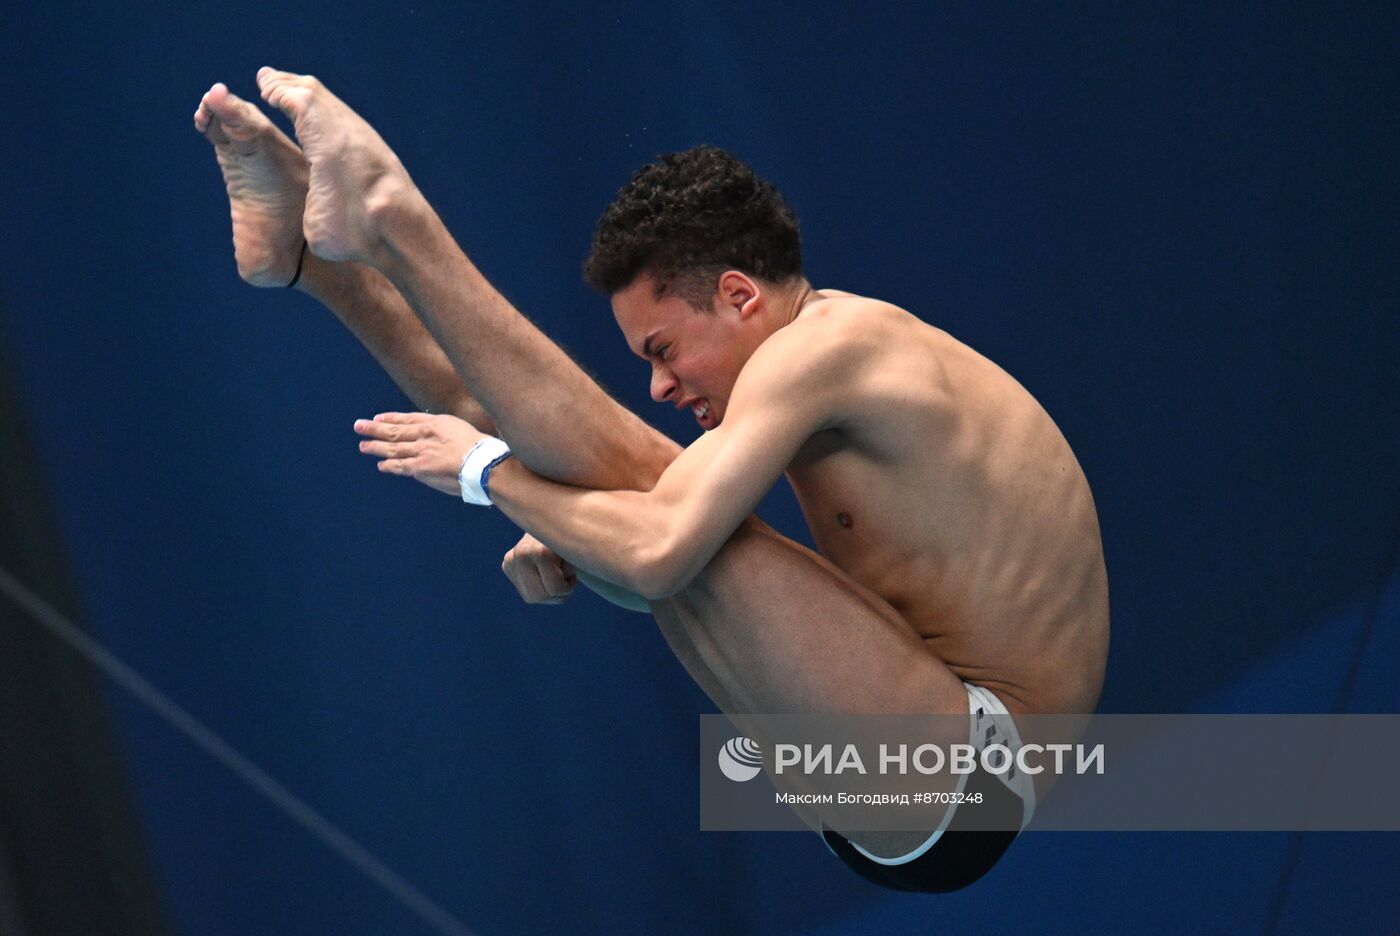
pixel 987 718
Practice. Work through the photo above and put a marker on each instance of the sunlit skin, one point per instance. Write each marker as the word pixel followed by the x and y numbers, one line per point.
pixel 957 533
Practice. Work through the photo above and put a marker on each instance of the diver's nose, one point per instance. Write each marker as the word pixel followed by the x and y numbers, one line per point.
pixel 663 384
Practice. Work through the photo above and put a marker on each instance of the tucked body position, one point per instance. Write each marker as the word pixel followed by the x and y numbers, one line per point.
pixel 960 569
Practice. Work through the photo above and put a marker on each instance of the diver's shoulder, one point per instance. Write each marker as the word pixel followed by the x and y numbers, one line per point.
pixel 852 315
pixel 831 329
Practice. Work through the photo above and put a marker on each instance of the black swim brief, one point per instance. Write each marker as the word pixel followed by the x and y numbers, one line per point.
pixel 959 857
pixel 963 850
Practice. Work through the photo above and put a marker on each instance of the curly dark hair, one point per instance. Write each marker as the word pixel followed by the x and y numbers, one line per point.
pixel 686 218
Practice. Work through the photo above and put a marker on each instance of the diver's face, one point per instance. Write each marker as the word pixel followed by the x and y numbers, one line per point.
pixel 695 355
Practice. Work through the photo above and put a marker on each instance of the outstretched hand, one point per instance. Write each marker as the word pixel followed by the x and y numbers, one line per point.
pixel 426 447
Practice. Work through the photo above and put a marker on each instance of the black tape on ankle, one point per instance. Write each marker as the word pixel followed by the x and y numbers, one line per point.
pixel 301 258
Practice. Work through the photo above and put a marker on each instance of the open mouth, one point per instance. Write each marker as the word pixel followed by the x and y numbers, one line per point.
pixel 705 414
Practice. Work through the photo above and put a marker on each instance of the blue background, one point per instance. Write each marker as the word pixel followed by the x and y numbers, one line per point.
pixel 1177 229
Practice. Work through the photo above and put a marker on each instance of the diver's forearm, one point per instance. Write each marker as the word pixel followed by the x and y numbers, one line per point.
pixel 619 536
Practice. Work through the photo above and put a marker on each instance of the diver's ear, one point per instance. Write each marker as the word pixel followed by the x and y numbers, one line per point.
pixel 739 292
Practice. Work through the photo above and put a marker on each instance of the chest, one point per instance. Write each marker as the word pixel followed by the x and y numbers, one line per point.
pixel 852 502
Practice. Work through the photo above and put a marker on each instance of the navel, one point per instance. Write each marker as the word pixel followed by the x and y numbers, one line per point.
pixel 845 520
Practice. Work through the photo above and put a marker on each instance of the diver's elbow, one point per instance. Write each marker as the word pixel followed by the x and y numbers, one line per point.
pixel 662 572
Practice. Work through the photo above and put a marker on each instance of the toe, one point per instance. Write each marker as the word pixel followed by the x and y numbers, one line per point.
pixel 207 122
pixel 269 77
pixel 289 97
pixel 268 80
pixel 232 110
pixel 201 114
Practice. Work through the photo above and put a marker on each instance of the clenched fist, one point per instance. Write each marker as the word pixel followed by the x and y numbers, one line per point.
pixel 538 574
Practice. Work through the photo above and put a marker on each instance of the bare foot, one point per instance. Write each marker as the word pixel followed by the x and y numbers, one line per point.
pixel 354 174
pixel 266 177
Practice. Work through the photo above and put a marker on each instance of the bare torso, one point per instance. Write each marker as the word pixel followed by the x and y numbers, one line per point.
pixel 954 497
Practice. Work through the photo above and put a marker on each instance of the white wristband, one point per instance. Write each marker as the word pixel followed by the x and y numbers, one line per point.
pixel 476 468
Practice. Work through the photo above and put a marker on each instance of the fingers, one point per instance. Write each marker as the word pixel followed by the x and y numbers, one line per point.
pixel 395 441
pixel 537 574
pixel 388 431
pixel 419 445
pixel 391 439
pixel 552 578
pixel 399 450
pixel 403 417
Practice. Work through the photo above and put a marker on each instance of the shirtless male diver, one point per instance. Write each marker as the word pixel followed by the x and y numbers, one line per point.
pixel 960 567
